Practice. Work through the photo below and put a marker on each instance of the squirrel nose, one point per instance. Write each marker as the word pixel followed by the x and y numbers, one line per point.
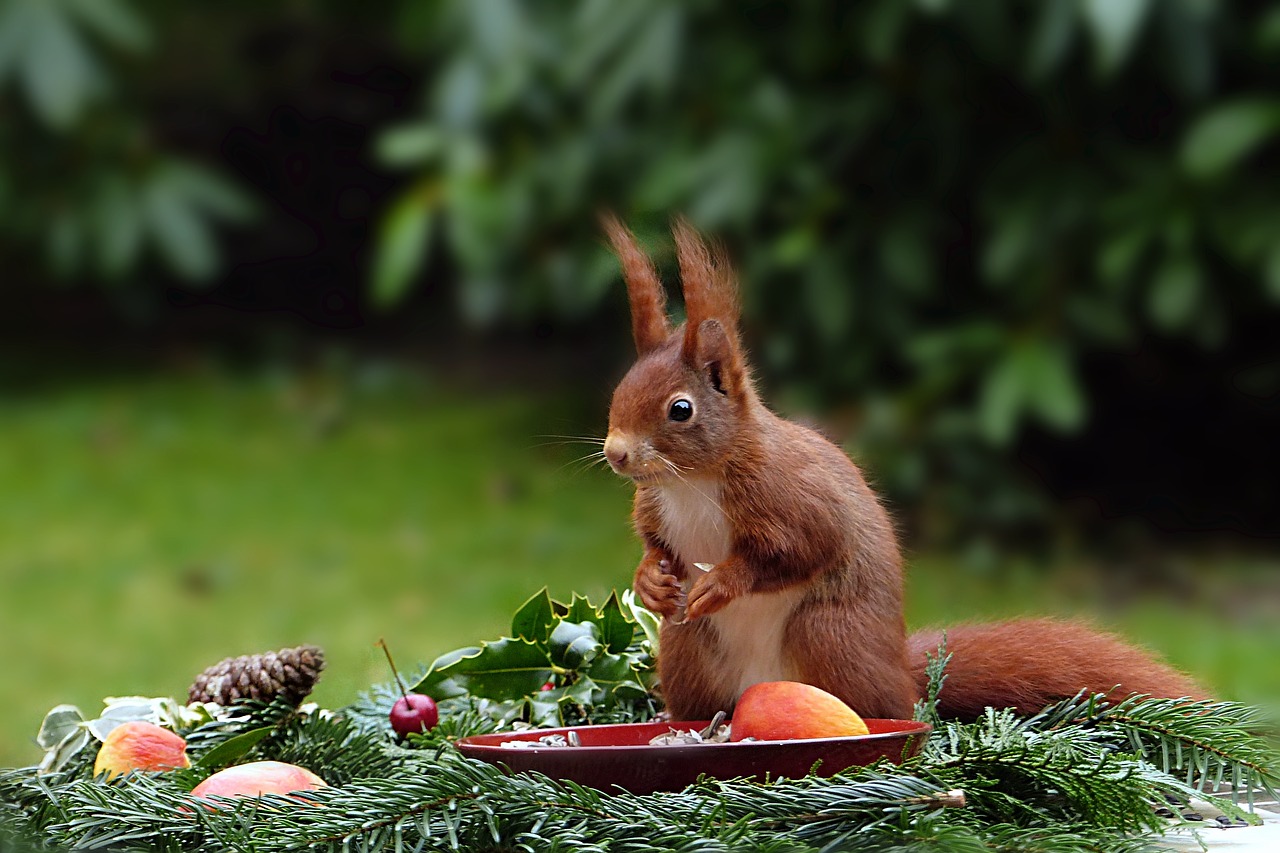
pixel 615 450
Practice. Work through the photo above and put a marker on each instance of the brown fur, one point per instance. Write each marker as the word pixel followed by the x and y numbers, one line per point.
pixel 710 298
pixel 1029 663
pixel 803 526
pixel 650 326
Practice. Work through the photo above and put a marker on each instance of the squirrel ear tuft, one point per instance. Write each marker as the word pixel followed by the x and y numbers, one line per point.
pixel 649 323
pixel 710 292
pixel 709 289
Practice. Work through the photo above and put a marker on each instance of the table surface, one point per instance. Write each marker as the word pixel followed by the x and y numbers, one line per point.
pixel 1238 839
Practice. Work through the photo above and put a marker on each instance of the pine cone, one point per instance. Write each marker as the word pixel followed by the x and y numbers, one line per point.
pixel 288 674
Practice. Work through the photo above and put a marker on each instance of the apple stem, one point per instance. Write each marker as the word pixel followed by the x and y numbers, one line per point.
pixel 399 682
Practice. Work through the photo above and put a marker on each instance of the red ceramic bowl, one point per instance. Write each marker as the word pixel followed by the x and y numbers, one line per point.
pixel 620 756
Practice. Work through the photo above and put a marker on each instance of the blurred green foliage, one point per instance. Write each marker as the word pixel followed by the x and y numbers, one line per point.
pixel 955 201
pixel 940 209
pixel 84 181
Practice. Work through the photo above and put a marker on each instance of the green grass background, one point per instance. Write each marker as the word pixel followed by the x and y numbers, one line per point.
pixel 151 525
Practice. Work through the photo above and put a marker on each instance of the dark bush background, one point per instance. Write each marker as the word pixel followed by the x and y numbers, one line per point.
pixel 1023 257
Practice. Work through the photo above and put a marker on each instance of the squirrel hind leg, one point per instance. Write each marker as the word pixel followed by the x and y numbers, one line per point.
pixel 1030 663
pixel 859 657
pixel 691 674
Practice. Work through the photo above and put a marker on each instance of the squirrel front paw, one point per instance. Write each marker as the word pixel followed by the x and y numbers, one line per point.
pixel 658 587
pixel 716 588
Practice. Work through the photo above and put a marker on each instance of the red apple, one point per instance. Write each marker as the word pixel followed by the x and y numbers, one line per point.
pixel 138 745
pixel 789 710
pixel 414 713
pixel 257 778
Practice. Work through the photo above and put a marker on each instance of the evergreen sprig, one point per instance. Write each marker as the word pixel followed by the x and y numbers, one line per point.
pixel 1012 772
pixel 453 803
pixel 1206 744
pixel 935 671
pixel 1081 776
pixel 241 718
pixel 1065 780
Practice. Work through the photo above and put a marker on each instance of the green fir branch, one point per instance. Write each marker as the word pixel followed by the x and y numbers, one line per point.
pixel 1060 781
pixel 1081 777
pixel 244 716
pixel 139 811
pixel 1012 772
pixel 465 804
pixel 331 746
pixel 1208 745
pixel 926 709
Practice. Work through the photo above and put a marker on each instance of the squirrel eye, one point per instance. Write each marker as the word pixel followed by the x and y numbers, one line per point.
pixel 681 410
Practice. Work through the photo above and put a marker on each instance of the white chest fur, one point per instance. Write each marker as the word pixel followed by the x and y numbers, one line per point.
pixel 750 628
pixel 693 523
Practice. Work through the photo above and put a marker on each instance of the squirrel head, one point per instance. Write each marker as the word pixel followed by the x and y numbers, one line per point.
pixel 682 406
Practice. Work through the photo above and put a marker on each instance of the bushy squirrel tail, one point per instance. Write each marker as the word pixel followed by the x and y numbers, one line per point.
pixel 1027 664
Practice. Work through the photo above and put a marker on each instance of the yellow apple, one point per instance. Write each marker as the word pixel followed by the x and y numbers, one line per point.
pixel 138 745
pixel 257 778
pixel 790 710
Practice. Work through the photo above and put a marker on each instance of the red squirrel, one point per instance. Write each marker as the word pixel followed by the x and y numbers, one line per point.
pixel 768 555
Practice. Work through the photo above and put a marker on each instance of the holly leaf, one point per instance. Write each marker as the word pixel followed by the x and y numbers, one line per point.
pixel 534 619
pixel 597 659
pixel 584 692
pixel 630 691
pixel 581 610
pixel 616 630
pixel 610 669
pixel 544 708
pixel 449 659
pixel 505 670
pixel 574 644
pixel 617 675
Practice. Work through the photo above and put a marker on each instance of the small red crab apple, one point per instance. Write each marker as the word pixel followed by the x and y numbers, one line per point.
pixel 413 713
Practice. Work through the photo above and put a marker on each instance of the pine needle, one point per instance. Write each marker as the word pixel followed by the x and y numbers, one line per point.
pixel 1082 776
